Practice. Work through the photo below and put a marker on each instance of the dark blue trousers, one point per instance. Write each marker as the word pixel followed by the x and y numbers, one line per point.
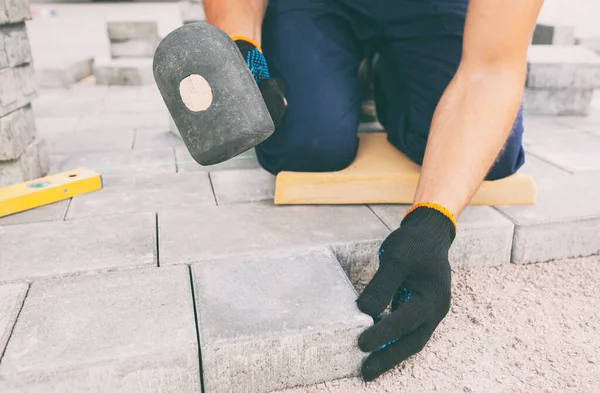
pixel 316 47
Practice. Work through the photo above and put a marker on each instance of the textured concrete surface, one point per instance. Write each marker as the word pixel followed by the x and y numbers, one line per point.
pixel 124 72
pixel 145 193
pixel 574 151
pixel 557 102
pixel 239 186
pixel 66 247
pixel 115 121
pixel 14 11
pixel 14 45
pixel 63 142
pixel 64 72
pixel 511 329
pixel 133 333
pixel 258 227
pixel 124 30
pixel 140 48
pixel 185 162
pixel 52 212
pixel 17 129
pixel 18 88
pixel 273 322
pixel 11 300
pixel 155 139
pixel 484 236
pixel 562 67
pixel 32 163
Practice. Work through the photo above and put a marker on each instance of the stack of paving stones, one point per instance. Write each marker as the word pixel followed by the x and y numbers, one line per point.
pixel 132 47
pixel 23 156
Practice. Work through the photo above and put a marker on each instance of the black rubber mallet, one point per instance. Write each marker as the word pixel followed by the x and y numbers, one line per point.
pixel 210 93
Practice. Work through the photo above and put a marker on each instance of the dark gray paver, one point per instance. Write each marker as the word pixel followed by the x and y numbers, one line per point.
pixel 65 247
pixel 127 331
pixel 244 185
pixel 185 162
pixel 119 162
pixel 276 321
pixel 52 212
pixel 80 142
pixel 564 223
pixel 11 299
pixel 484 236
pixel 574 151
pixel 145 193
pixel 189 235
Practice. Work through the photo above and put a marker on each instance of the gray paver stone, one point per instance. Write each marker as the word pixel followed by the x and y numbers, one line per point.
pixel 66 247
pixel 562 67
pixel 565 222
pixel 122 121
pixel 574 151
pixel 259 227
pixel 18 88
pixel 268 323
pixel 79 142
pixel 61 103
pixel 240 186
pixel 135 48
pixel 484 236
pixel 124 72
pixel 52 212
pixel 119 162
pixel 35 161
pixel 590 42
pixel 558 102
pixel 145 193
pixel 358 259
pixel 127 30
pixel 545 34
pixel 63 72
pixel 14 11
pixel 10 173
pixel 11 299
pixel 14 46
pixel 155 138
pixel 17 129
pixel 128 331
pixel 52 125
pixel 185 162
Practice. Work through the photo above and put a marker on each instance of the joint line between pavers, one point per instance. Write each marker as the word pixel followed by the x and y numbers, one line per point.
pixel 212 187
pixel 176 161
pixel 134 139
pixel 379 218
pixel 197 329
pixel 15 323
pixel 64 216
pixel 551 163
pixel 157 240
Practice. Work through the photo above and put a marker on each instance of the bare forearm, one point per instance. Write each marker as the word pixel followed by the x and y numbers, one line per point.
pixel 237 17
pixel 469 128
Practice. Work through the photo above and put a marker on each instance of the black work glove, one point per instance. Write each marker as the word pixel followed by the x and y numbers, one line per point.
pixel 414 274
pixel 272 89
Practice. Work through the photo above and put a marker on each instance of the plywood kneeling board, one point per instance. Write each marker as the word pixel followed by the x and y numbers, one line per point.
pixel 381 174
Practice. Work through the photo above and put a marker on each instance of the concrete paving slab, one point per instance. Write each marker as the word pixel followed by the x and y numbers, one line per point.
pixel 14 45
pixel 186 237
pixel 51 125
pixel 185 162
pixel 67 247
pixel 61 104
pixel 156 138
pixel 484 236
pixel 562 67
pixel 145 193
pixel 119 162
pixel 11 300
pixel 122 121
pixel 240 186
pixel 130 331
pixel 583 123
pixel 52 212
pixel 17 130
pixel 545 125
pixel 134 48
pixel 557 102
pixel 135 107
pixel 510 329
pixel 575 152
pixel 63 72
pixel 80 142
pixel 565 221
pixel 276 322
pixel 589 42
pixel 124 72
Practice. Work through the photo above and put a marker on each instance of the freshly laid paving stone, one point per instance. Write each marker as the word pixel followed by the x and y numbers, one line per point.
pixel 119 162
pixel 564 223
pixel 239 186
pixel 155 138
pixel 122 121
pixel 63 72
pixel 187 235
pixel 51 125
pixel 185 162
pixel 557 102
pixel 17 130
pixel 127 331
pixel 145 193
pixel 575 151
pixel 546 34
pixel 562 67
pixel 18 88
pixel 11 299
pixel 273 322
pixel 80 142
pixel 484 236
pixel 14 46
pixel 67 247
pixel 124 72
pixel 52 212
pixel 61 103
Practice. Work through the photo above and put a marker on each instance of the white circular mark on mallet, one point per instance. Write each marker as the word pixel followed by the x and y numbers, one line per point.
pixel 195 93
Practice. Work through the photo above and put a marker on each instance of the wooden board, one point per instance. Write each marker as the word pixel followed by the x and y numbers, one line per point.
pixel 382 174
